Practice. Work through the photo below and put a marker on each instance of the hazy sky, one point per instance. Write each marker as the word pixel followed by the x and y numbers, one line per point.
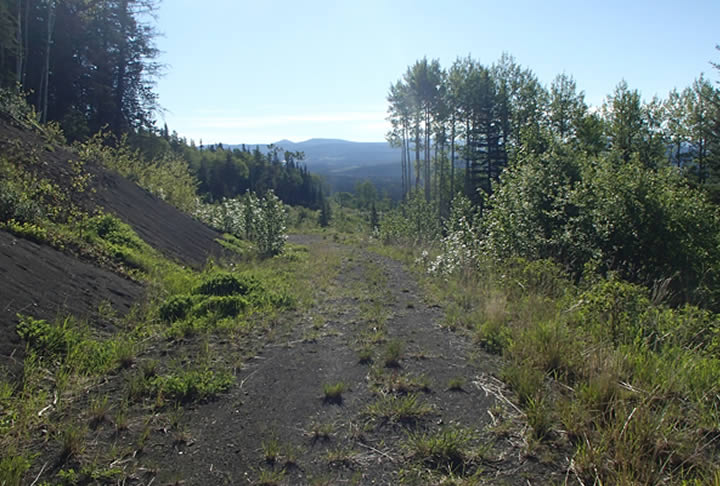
pixel 259 71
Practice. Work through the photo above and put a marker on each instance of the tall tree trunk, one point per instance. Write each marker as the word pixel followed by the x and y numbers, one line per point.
pixel 46 70
pixel 452 160
pixel 26 42
pixel 121 68
pixel 468 141
pixel 441 180
pixel 19 45
pixel 408 157
pixel 403 162
pixel 427 155
pixel 417 155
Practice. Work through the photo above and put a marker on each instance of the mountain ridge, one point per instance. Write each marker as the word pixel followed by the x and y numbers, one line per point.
pixel 343 163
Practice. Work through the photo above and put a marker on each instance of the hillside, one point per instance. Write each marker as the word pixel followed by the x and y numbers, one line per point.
pixel 44 282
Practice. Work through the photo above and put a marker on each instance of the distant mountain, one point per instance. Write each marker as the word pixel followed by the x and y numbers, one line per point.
pixel 343 164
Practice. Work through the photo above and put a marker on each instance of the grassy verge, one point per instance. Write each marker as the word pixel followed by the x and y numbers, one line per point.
pixel 630 385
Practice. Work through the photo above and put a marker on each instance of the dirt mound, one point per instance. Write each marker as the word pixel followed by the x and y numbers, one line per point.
pixel 40 281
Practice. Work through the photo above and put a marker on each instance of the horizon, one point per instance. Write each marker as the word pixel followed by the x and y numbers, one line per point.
pixel 314 71
pixel 325 139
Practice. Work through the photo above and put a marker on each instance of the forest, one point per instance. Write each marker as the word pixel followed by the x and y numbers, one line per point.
pixel 630 187
pixel 541 307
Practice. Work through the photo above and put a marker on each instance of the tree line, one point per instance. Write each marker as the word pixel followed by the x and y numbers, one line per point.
pixel 223 172
pixel 91 66
pixel 460 127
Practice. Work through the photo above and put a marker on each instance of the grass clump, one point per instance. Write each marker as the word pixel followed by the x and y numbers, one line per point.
pixel 365 355
pixel 221 295
pixel 13 468
pixel 224 284
pixel 392 353
pixel 221 306
pixel 45 338
pixel 333 392
pixel 447 450
pixel 456 384
pixel 72 442
pixel 271 450
pixel 398 409
pixel 99 411
pixel 192 385
pixel 320 432
pixel 176 307
pixel 270 477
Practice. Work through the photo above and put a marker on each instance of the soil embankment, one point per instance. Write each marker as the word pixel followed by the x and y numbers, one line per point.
pixel 43 282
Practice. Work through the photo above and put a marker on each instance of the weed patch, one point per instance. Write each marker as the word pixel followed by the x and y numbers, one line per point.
pixel 405 409
pixel 333 392
pixel 192 385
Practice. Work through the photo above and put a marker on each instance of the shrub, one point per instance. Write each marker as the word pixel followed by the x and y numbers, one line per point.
pixel 644 224
pixel 15 205
pixel 112 230
pixel 262 221
pixel 45 337
pixel 176 308
pixel 221 306
pixel 414 221
pixel 167 177
pixel 222 284
pixel 616 309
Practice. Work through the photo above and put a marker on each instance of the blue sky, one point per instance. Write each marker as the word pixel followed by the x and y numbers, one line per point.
pixel 259 71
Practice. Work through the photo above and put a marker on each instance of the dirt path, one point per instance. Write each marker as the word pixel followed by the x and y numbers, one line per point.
pixel 277 427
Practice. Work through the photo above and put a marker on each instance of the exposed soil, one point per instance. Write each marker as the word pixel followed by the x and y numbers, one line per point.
pixel 278 398
pixel 162 226
pixel 42 282
pixel 45 283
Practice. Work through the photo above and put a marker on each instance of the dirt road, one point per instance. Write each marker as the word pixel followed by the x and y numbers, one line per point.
pixel 407 384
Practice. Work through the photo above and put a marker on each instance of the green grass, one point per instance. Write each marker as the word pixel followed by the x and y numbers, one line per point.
pixel 13 468
pixel 385 382
pixel 270 478
pixel 192 385
pixel 456 384
pixel 404 409
pixel 332 393
pixel 365 355
pixel 447 450
pixel 321 432
pixel 393 353
pixel 271 450
pixel 629 382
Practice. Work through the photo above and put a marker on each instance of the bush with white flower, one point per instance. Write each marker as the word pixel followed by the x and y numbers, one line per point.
pixel 460 248
pixel 262 221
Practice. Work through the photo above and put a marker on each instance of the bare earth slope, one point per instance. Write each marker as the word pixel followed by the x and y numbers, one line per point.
pixel 40 281
pixel 43 282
